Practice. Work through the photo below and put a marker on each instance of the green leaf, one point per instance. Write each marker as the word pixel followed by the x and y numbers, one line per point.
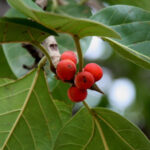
pixel 29 119
pixel 139 3
pixel 64 109
pixel 5 69
pixel 62 89
pixel 76 132
pixel 28 31
pixel 4 81
pixel 104 130
pixel 17 56
pixel 132 24
pixel 64 24
pixel 22 30
pixel 124 133
pixel 51 78
pixel 76 10
pixel 65 41
pixel 12 12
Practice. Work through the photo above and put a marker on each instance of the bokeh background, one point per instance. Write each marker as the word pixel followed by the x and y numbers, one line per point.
pixel 126 85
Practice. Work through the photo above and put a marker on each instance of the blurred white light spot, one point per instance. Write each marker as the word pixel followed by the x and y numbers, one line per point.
pixel 106 81
pixel 98 49
pixel 122 93
pixel 94 51
pixel 93 98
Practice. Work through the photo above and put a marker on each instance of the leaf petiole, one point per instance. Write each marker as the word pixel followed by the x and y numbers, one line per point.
pixel 46 54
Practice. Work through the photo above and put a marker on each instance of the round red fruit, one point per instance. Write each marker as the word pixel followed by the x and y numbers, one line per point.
pixel 77 95
pixel 95 70
pixel 69 55
pixel 84 80
pixel 66 70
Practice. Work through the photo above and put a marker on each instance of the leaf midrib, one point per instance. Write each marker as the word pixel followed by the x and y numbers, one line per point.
pixel 133 51
pixel 101 133
pixel 110 126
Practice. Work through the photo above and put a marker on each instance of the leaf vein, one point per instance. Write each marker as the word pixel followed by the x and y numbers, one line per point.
pixel 17 93
pixel 9 112
pixel 23 108
pixel 90 138
pixel 115 131
pixel 37 97
pixel 30 130
pixel 18 140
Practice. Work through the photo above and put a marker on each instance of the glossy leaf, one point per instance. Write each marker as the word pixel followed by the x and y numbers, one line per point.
pixel 5 70
pixel 139 3
pixel 29 119
pixel 64 24
pixel 132 24
pixel 22 30
pixel 100 132
pixel 65 41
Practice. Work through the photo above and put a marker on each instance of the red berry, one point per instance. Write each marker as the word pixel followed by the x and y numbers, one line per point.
pixel 95 70
pixel 66 70
pixel 84 80
pixel 69 55
pixel 77 95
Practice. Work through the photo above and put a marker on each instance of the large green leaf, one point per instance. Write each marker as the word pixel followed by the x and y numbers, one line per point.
pixel 105 130
pixel 15 54
pixel 64 24
pixel 22 30
pixel 140 3
pixel 132 24
pixel 29 119
pixel 76 132
pixel 5 70
pixel 65 42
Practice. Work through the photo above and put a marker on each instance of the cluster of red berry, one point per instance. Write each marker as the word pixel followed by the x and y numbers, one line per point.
pixel 82 81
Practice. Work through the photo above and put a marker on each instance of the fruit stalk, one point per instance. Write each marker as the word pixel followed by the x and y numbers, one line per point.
pixel 79 51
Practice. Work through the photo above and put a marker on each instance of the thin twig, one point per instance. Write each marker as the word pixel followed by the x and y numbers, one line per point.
pixel 51 45
pixel 87 106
